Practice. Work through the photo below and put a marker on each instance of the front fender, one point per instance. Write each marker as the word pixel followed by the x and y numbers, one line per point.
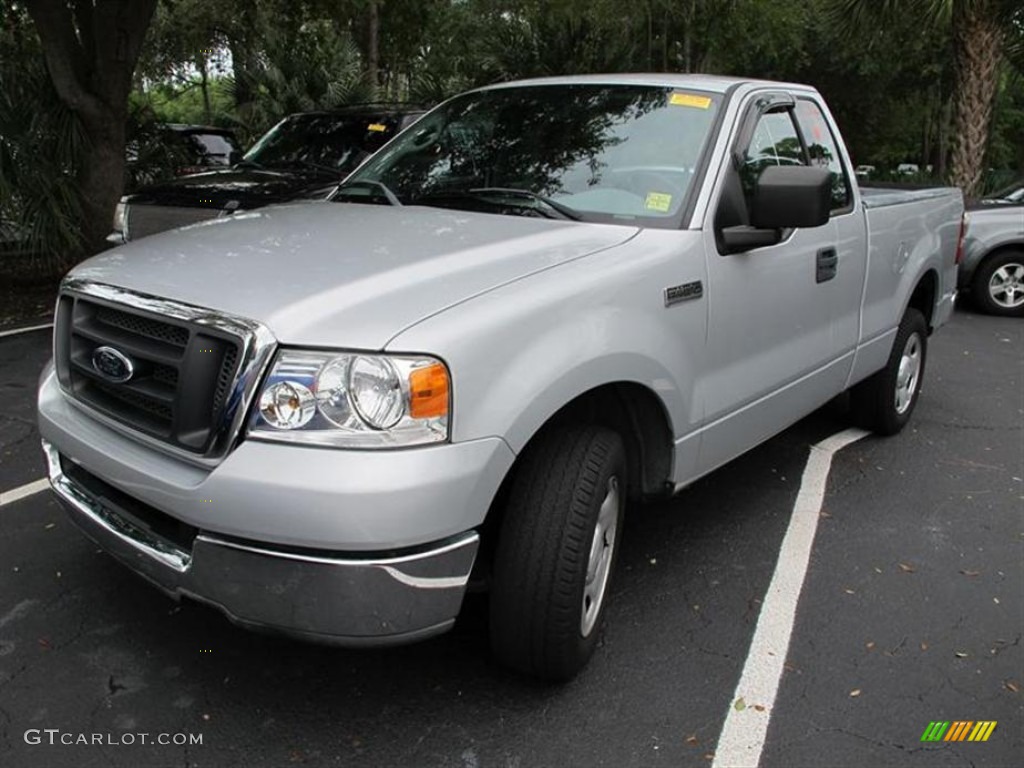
pixel 525 350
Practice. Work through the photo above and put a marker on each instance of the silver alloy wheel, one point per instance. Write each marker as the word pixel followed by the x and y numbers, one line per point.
pixel 599 564
pixel 1006 286
pixel 909 374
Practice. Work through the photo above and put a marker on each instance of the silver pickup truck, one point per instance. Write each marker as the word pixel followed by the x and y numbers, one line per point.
pixel 541 301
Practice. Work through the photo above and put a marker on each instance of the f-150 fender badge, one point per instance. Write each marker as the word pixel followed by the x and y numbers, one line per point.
pixel 684 292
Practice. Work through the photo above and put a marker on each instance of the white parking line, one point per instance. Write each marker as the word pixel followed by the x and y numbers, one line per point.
pixel 9 497
pixel 16 331
pixel 750 710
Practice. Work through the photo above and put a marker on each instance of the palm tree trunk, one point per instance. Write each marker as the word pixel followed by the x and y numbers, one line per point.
pixel 373 48
pixel 977 50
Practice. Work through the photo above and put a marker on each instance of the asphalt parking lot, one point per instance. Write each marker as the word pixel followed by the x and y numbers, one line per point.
pixel 911 612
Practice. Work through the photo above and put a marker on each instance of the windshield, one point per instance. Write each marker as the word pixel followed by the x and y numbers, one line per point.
pixel 328 142
pixel 591 152
pixel 1014 193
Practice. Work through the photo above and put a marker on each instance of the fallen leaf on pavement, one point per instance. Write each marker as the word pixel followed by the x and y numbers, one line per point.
pixel 870 645
pixel 960 654
pixel 855 692
pixel 758 708
pixel 907 568
pixel 924 646
pixel 740 704
pixel 970 573
pixel 1012 686
pixel 692 740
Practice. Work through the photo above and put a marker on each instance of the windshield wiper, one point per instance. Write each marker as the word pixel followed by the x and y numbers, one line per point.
pixel 563 210
pixel 553 209
pixel 243 163
pixel 384 189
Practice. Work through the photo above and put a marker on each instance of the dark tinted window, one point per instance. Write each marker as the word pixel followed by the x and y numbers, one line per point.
pixel 334 142
pixel 213 148
pixel 821 146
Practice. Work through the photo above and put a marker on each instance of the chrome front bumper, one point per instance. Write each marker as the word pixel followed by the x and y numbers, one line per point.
pixel 358 599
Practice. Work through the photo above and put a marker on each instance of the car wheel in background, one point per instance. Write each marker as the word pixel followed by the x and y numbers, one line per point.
pixel 998 285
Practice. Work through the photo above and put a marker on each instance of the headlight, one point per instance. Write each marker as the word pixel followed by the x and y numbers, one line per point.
pixel 353 400
pixel 121 217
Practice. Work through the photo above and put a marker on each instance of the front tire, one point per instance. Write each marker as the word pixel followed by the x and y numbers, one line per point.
pixel 556 551
pixel 998 284
pixel 884 402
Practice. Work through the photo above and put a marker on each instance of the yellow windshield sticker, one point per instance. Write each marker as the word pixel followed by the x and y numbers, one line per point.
pixel 376 127
pixel 690 100
pixel 658 201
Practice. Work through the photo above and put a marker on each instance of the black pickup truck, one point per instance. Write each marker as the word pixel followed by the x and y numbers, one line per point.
pixel 303 157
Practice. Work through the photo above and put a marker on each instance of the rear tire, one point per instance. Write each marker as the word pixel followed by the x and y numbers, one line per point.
pixel 998 284
pixel 556 552
pixel 884 402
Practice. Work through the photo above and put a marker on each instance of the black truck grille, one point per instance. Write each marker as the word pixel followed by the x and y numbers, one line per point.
pixel 146 220
pixel 183 373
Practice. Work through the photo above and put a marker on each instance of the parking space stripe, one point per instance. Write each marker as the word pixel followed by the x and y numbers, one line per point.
pixel 750 709
pixel 16 331
pixel 21 492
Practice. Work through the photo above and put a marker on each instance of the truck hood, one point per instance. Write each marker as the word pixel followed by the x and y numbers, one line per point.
pixel 241 188
pixel 341 274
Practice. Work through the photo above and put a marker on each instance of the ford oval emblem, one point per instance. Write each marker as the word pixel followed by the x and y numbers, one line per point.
pixel 112 365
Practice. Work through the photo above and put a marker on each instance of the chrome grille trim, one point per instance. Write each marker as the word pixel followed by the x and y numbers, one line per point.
pixel 257 347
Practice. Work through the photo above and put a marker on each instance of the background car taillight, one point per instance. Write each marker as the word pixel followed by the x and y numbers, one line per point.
pixel 964 220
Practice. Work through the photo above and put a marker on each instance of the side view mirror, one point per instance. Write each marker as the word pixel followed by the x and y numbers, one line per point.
pixel 785 197
pixel 788 196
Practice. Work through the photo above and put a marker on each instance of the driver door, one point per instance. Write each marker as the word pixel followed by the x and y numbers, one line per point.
pixel 769 346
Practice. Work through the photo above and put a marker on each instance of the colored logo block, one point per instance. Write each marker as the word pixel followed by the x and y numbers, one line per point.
pixel 959 730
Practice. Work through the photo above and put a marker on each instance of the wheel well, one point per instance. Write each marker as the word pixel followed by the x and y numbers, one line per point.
pixel 632 410
pixel 639 416
pixel 923 297
pixel 997 251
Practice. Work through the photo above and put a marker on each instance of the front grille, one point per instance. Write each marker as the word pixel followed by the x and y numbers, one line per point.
pixel 183 372
pixel 143 326
pixel 146 219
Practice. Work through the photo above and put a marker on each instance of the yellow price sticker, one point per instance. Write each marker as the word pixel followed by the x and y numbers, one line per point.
pixel 379 127
pixel 690 100
pixel 658 201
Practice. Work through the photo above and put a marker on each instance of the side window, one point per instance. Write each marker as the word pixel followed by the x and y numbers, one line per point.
pixel 775 142
pixel 821 146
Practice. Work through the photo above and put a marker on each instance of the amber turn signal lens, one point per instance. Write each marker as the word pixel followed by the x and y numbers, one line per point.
pixel 428 392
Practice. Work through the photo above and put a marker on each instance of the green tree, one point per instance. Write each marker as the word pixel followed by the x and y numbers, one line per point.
pixel 91 48
pixel 981 38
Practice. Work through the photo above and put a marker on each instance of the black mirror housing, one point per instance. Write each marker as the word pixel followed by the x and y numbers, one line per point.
pixel 788 196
